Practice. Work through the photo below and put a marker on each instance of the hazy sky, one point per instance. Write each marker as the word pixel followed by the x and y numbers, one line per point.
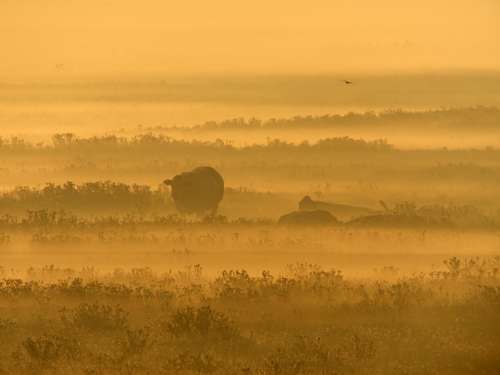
pixel 86 37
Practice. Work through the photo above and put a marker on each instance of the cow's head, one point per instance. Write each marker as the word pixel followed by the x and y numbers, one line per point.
pixel 306 200
pixel 306 203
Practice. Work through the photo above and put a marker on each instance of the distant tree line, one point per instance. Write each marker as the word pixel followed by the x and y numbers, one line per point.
pixel 65 142
pixel 462 117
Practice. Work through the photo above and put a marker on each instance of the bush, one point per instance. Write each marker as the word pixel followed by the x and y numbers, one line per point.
pixel 46 350
pixel 201 322
pixel 97 318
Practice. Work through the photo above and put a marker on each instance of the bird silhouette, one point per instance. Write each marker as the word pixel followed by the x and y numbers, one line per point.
pixel 347 82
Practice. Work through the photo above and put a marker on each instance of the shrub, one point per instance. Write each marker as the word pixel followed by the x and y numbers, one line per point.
pixel 200 363
pixel 95 317
pixel 201 322
pixel 134 343
pixel 46 350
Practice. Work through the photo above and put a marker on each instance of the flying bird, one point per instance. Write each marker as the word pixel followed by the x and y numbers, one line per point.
pixel 348 82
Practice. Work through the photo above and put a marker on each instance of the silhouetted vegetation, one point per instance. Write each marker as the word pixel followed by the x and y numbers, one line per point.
pixel 95 203
pixel 148 144
pixel 91 197
pixel 458 118
pixel 182 321
pixel 342 170
pixel 119 199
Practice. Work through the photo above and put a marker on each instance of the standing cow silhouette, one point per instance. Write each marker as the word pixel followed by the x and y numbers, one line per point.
pixel 197 192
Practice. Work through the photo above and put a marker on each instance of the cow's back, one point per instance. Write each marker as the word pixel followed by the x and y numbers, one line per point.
pixel 198 190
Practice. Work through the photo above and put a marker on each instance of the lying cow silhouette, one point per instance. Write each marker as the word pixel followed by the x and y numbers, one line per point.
pixel 341 211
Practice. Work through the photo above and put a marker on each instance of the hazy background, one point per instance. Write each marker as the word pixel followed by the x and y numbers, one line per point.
pixel 98 66
pixel 96 106
pixel 119 37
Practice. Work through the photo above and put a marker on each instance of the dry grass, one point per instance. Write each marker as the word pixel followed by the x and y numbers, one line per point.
pixel 300 321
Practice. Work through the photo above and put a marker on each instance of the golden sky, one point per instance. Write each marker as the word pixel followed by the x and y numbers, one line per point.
pixel 107 37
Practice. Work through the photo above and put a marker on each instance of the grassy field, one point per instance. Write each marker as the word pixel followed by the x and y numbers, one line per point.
pixel 304 319
pixel 137 295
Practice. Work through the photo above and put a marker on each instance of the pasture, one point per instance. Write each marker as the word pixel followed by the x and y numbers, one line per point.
pixel 101 274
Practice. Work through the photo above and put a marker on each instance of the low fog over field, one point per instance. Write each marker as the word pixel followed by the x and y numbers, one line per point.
pixel 250 188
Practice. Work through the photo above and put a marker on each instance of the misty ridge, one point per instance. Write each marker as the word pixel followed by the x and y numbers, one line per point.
pixel 70 143
pixel 458 119
pixel 150 156
pixel 404 128
pixel 98 105
pixel 157 139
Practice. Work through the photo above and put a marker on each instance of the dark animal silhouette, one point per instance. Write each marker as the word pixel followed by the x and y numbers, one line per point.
pixel 198 191
pixel 347 82
pixel 316 217
pixel 342 211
